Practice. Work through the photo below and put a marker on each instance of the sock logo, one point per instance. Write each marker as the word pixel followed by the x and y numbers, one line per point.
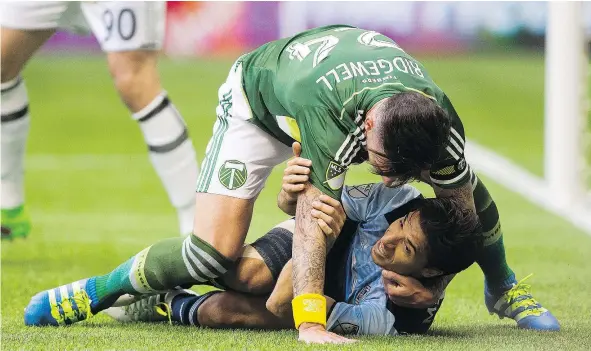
pixel 233 174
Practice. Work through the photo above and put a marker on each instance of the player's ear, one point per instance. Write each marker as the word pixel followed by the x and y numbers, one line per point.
pixel 431 272
pixel 369 123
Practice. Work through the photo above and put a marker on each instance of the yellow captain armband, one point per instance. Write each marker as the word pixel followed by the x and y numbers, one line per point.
pixel 309 308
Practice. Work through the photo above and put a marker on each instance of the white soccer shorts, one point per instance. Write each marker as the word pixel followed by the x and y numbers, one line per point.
pixel 117 25
pixel 239 156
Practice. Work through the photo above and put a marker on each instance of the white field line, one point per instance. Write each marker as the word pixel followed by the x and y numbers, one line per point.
pixel 516 179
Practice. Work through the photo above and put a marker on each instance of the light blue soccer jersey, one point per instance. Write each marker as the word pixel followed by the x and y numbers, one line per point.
pixel 365 308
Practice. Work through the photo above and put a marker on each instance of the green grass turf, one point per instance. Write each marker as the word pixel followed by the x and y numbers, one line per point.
pixel 96 201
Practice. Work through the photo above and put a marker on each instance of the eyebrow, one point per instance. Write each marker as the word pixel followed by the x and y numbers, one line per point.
pixel 405 219
pixel 411 244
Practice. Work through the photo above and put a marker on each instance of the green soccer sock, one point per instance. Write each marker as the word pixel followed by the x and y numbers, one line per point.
pixel 492 261
pixel 160 267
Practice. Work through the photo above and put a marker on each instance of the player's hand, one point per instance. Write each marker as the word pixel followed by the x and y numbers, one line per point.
pixel 330 216
pixel 296 174
pixel 311 333
pixel 407 291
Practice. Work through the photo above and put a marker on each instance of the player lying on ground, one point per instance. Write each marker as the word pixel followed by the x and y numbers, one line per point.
pixel 361 303
pixel 131 34
pixel 349 95
pixel 395 227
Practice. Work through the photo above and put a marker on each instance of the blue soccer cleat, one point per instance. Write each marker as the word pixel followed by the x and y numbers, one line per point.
pixel 518 304
pixel 65 305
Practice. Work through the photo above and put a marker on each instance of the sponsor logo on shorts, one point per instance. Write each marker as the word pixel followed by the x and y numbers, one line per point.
pixel 233 174
pixel 335 175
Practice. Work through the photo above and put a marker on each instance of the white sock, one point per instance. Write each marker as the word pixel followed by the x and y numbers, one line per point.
pixel 172 155
pixel 15 129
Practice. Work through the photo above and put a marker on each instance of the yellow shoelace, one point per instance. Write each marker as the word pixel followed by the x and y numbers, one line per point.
pixel 529 304
pixel 164 310
pixel 68 313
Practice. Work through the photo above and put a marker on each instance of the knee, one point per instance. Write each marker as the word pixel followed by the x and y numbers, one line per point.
pixel 11 66
pixel 135 76
pixel 8 71
pixel 251 274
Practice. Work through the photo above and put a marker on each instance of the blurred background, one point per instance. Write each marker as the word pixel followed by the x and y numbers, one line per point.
pixel 92 192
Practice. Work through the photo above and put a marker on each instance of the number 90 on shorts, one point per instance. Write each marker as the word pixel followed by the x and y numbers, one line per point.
pixel 127 25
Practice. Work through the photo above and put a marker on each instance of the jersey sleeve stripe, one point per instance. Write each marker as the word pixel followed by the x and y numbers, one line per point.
pixel 458 148
pixel 452 152
pixel 457 135
pixel 346 144
pixel 353 154
pixel 350 151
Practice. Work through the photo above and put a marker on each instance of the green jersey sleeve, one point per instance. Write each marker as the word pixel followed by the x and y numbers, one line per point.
pixel 451 170
pixel 330 148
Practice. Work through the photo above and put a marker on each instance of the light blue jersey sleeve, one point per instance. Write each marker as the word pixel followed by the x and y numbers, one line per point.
pixel 363 203
pixel 368 316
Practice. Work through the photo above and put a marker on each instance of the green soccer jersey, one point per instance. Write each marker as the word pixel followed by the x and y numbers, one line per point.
pixel 317 86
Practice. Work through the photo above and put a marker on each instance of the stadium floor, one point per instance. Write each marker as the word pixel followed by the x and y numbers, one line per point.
pixel 95 201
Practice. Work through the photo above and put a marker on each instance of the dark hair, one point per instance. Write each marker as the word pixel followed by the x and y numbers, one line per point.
pixel 453 234
pixel 414 131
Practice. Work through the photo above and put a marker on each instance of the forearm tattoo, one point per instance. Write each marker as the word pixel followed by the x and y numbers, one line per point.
pixel 309 247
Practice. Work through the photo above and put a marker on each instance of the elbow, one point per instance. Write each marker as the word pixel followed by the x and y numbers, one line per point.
pixel 279 307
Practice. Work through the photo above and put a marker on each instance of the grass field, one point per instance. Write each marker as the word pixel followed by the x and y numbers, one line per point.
pixel 96 201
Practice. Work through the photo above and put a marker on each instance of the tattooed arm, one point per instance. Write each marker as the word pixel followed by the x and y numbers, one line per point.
pixel 309 246
pixel 308 259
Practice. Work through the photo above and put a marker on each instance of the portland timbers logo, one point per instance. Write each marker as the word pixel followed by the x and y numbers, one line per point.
pixel 232 174
pixel 335 175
